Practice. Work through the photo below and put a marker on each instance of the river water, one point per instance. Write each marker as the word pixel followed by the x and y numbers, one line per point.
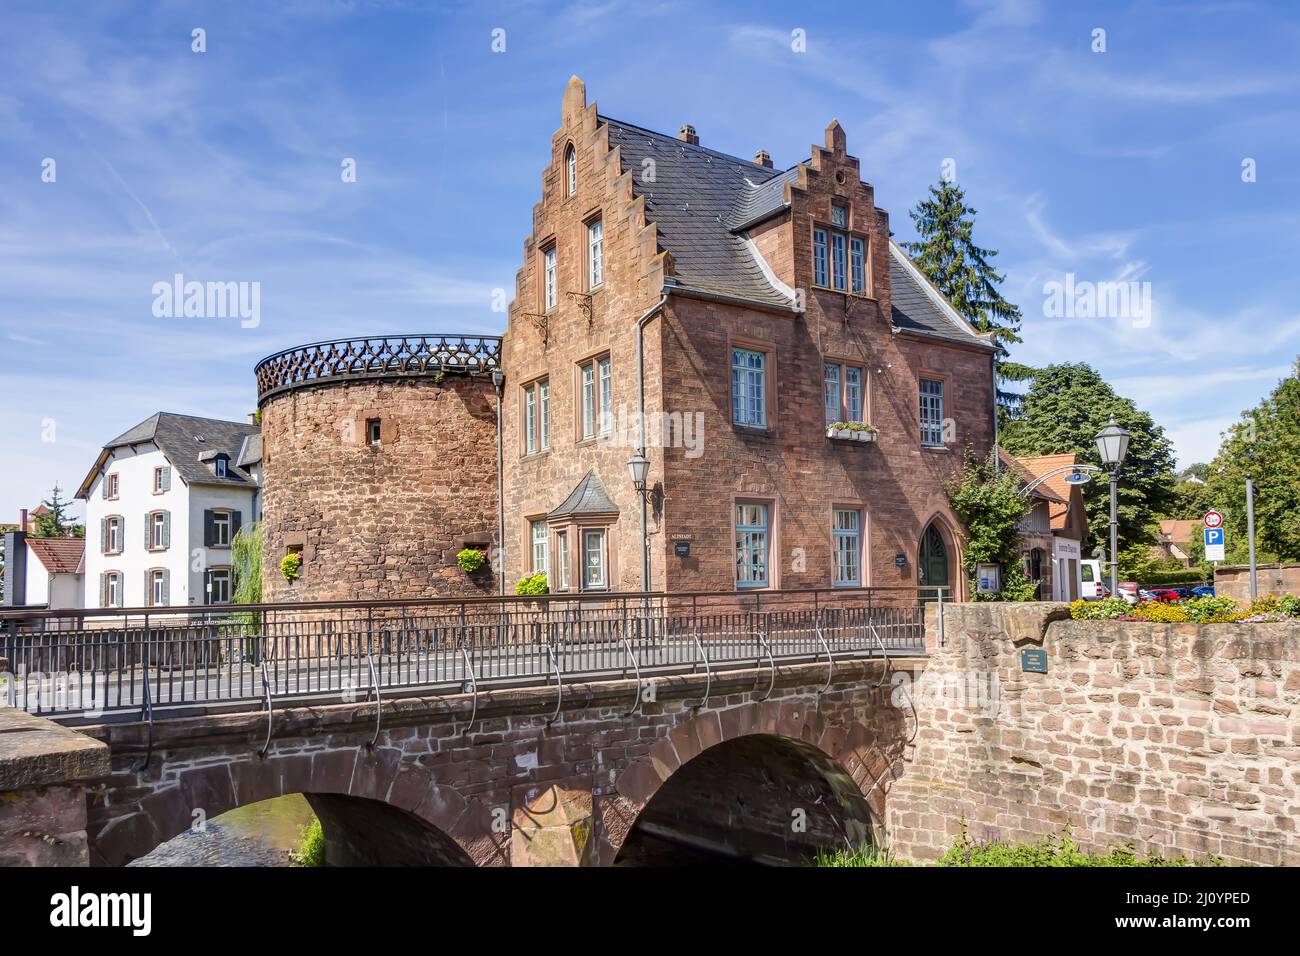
pixel 260 834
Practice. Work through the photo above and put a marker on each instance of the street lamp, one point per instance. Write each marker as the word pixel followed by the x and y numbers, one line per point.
pixel 638 467
pixel 1112 445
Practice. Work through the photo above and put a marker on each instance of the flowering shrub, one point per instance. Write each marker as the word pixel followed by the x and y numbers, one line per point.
pixel 1107 609
pixel 1157 612
pixel 532 584
pixel 471 560
pixel 1208 610
pixel 1213 610
pixel 852 427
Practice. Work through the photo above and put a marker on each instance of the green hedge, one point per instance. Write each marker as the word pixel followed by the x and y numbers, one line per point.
pixel 1160 579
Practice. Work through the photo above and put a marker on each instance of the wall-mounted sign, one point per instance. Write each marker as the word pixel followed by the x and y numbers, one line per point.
pixel 681 536
pixel 989 579
pixel 682 549
pixel 900 560
pixel 1033 660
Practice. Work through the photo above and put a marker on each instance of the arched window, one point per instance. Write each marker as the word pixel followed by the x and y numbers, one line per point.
pixel 571 170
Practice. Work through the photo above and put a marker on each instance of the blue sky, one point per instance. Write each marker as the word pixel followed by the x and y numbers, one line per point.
pixel 225 165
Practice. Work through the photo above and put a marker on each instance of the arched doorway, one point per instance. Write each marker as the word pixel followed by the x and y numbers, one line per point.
pixel 934 565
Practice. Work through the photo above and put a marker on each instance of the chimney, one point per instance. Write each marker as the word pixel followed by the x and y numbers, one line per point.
pixel 252 418
pixel 687 134
pixel 22 520
pixel 763 158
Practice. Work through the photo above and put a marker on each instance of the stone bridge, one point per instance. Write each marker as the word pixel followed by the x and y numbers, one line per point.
pixel 611 776
pixel 1176 739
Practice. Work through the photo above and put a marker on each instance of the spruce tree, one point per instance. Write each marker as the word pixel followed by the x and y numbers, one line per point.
pixel 946 252
pixel 56 523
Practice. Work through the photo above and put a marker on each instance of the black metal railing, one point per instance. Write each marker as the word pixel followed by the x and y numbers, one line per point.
pixel 99 662
pixel 381 356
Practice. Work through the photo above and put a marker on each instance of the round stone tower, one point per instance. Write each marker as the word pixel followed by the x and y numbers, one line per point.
pixel 379 464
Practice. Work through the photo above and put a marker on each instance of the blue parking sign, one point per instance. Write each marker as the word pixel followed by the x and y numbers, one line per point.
pixel 1213 536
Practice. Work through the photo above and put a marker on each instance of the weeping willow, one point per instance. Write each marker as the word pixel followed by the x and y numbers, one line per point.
pixel 246 561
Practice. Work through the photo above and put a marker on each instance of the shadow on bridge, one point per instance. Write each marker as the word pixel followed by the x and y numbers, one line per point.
pixel 754 800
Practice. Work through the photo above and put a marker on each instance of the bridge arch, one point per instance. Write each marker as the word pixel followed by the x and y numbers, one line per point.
pixel 364 800
pixel 762 782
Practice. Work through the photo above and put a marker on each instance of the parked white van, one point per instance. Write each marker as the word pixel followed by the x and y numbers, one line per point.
pixel 1091 587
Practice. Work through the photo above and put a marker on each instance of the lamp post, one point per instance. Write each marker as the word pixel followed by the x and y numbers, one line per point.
pixel 638 467
pixel 1112 445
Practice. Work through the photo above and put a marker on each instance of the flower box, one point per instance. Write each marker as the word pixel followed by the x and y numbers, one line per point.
pixel 841 431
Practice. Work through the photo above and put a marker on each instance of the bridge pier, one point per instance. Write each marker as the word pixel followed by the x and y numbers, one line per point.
pixel 43 773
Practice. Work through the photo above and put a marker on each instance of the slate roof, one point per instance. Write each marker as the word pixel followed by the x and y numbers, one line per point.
pixel 250 453
pixel 702 201
pixel 919 307
pixel 59 555
pixel 698 198
pixel 588 498
pixel 188 442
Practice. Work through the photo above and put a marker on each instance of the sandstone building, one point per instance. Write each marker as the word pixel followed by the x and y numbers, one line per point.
pixel 796 388
pixel 769 304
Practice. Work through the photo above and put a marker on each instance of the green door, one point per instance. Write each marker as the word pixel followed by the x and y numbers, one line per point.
pixel 932 569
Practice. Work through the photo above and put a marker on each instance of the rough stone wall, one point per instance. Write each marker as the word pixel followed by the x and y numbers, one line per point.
pixel 386 521
pixel 1233 580
pixel 1176 738
pixel 509 789
pixel 575 331
pixel 43 768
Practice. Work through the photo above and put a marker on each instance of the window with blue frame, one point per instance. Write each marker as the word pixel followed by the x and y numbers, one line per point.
pixel 749 388
pixel 847 532
pixel 752 545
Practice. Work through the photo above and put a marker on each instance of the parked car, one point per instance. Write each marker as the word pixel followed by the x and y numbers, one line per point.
pixel 1128 590
pixel 1184 594
pixel 1203 590
pixel 1145 595
pixel 1091 587
pixel 1165 595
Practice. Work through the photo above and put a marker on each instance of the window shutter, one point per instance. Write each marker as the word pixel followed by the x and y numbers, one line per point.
pixel 167 588
pixel 167 478
pixel 103 486
pixel 234 524
pixel 167 529
pixel 207 527
pixel 148 589
pixel 103 536
pixel 148 527
pixel 103 589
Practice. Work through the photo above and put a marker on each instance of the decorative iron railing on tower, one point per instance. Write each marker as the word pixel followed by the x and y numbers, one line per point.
pixel 372 357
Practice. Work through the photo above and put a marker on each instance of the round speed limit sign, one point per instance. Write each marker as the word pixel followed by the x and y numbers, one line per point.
pixel 1213 519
